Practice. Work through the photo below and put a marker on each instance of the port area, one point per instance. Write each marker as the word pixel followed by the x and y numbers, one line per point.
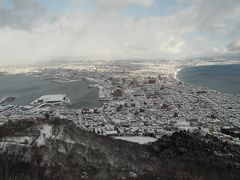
pixel 138 100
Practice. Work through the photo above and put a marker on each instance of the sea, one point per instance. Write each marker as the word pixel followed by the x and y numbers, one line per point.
pixel 222 78
pixel 27 88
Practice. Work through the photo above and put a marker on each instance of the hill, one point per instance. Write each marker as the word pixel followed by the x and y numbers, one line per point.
pixel 57 150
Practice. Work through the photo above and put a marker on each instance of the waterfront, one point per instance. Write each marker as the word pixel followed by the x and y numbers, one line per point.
pixel 134 104
pixel 222 78
pixel 27 88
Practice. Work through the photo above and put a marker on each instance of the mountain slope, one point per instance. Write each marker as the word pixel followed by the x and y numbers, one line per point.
pixel 53 149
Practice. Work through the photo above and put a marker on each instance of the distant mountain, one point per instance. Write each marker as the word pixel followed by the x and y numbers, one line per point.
pixel 57 150
pixel 235 57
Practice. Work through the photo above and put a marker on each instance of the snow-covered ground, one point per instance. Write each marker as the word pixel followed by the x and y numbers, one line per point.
pixel 20 140
pixel 46 133
pixel 137 139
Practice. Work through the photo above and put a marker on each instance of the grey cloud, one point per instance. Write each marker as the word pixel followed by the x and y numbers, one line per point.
pixel 109 34
pixel 20 13
pixel 234 46
pixel 209 15
pixel 118 4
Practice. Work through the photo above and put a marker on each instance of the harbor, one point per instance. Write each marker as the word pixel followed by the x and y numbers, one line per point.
pixel 26 88
pixel 133 104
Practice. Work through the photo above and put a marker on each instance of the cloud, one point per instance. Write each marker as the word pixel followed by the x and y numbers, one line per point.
pixel 172 45
pixel 30 33
pixel 234 46
pixel 20 13
pixel 106 36
pixel 209 16
pixel 113 4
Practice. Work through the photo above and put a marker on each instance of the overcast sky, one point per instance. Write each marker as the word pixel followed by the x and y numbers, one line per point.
pixel 42 30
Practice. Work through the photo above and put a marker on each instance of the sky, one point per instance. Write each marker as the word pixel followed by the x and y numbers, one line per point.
pixel 33 31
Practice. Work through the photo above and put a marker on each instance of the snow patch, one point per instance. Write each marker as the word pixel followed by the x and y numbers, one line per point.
pixel 137 139
pixel 19 140
pixel 45 133
pixel 61 136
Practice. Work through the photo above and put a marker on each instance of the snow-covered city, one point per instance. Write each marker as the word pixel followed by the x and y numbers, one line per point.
pixel 138 102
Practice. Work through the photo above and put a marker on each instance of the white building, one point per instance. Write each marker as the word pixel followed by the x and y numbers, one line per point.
pixel 52 99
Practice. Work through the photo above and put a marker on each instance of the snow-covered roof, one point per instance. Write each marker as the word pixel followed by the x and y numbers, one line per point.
pixel 52 98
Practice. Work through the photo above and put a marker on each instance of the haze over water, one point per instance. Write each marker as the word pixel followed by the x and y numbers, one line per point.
pixel 26 89
pixel 223 78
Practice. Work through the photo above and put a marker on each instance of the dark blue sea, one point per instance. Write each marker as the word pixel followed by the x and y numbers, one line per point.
pixel 222 78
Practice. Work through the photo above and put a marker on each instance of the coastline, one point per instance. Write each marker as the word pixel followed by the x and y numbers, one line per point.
pixel 216 88
pixel 176 73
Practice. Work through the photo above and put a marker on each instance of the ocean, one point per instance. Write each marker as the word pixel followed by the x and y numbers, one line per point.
pixel 222 78
pixel 28 88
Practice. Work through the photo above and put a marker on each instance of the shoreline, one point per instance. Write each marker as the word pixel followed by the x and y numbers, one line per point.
pixel 201 65
pixel 206 87
pixel 176 73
